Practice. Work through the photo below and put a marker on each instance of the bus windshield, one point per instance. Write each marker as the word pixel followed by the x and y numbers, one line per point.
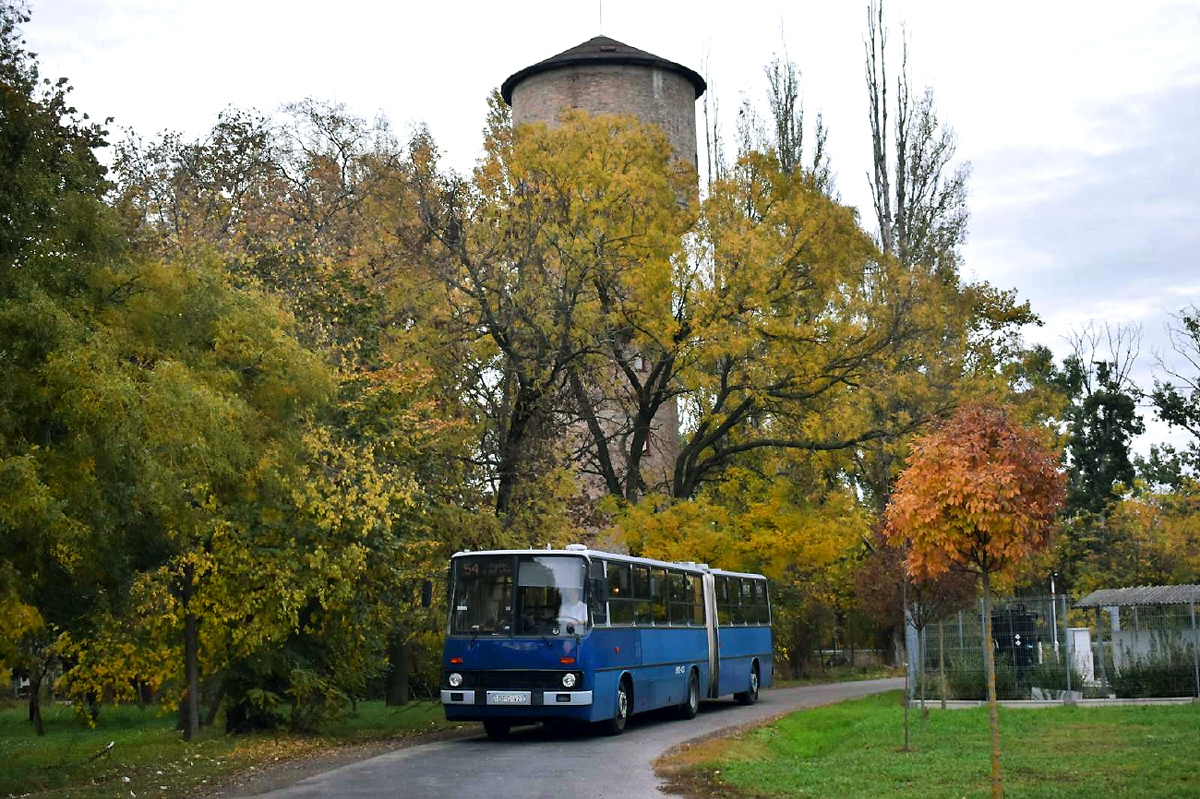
pixel 519 595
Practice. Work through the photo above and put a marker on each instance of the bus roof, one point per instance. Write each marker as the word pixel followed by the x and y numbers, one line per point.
pixel 576 549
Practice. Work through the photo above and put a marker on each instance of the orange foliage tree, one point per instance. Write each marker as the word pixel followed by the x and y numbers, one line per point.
pixel 979 494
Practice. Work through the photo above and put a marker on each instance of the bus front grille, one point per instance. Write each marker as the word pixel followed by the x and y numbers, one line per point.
pixel 509 679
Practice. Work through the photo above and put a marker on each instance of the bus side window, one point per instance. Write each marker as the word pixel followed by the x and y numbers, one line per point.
pixel 641 595
pixel 724 614
pixel 760 599
pixel 737 614
pixel 681 594
pixel 620 593
pixel 658 595
pixel 597 593
pixel 697 592
pixel 749 610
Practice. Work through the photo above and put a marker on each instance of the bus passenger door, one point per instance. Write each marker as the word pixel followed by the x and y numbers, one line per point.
pixel 714 639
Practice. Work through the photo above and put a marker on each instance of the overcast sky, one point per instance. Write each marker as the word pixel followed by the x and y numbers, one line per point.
pixel 1081 119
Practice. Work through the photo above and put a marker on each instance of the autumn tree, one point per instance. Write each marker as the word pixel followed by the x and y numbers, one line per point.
pixel 1146 538
pixel 888 591
pixel 779 517
pixel 970 331
pixel 564 234
pixel 979 493
pixel 307 209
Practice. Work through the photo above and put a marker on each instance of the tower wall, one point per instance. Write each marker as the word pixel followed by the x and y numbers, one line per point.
pixel 659 96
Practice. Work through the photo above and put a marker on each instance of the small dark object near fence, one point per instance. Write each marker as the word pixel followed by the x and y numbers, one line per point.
pixel 1049 648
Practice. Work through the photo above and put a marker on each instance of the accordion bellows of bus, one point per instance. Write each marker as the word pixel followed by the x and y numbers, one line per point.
pixel 577 634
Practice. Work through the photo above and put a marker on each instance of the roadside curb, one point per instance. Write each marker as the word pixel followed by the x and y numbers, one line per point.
pixel 1037 704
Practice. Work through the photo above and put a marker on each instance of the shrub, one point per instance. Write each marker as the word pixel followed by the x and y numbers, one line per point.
pixel 1166 670
pixel 967 679
pixel 1051 673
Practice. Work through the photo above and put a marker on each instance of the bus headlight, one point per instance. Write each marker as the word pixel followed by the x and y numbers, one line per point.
pixel 455 680
pixel 568 680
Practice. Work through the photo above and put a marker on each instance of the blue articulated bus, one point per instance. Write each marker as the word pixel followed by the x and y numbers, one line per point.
pixel 588 636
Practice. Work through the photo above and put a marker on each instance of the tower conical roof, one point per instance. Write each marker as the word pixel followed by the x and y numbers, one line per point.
pixel 600 50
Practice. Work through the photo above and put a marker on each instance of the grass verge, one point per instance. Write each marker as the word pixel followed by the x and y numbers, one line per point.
pixel 853 749
pixel 148 759
pixel 839 674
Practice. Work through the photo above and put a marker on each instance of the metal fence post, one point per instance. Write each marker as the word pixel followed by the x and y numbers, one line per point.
pixel 983 644
pixel 1195 648
pixel 1068 648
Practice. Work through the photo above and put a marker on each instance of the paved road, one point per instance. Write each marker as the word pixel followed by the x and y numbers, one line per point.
pixel 536 762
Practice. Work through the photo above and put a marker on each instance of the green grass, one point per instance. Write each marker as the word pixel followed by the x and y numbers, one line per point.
pixel 853 750
pixel 838 674
pixel 147 749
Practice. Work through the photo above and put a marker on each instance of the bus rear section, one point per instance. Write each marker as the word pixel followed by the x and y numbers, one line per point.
pixel 745 662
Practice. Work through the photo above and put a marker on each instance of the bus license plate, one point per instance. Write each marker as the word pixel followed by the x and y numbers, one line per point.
pixel 508 697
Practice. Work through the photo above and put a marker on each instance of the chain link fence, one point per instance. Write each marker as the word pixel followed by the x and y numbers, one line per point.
pixel 1048 649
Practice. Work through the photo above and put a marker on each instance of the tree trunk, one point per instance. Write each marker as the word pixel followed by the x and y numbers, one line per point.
pixel 400 666
pixel 921 681
pixel 850 643
pixel 512 452
pixel 990 666
pixel 797 651
pixel 215 706
pixel 897 652
pixel 35 705
pixel 189 709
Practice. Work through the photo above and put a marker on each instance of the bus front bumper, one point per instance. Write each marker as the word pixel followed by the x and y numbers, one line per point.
pixel 517 699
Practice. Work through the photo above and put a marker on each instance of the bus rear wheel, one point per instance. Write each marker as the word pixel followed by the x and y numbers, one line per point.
pixel 497 729
pixel 750 696
pixel 691 703
pixel 616 725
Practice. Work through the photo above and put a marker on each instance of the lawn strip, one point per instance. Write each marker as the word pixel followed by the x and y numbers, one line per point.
pixel 853 749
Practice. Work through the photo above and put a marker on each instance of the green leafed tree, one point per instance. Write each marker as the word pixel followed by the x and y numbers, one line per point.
pixel 1103 418
pixel 1177 399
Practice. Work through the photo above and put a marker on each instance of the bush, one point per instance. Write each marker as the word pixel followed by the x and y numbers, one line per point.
pixel 967 679
pixel 1166 670
pixel 1051 673
pixel 274 692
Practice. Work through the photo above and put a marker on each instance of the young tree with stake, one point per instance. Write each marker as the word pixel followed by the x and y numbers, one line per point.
pixel 979 494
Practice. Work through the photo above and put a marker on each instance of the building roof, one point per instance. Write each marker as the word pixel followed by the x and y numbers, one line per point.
pixel 1142 595
pixel 600 50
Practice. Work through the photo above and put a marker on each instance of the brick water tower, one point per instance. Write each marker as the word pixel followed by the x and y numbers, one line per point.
pixel 604 76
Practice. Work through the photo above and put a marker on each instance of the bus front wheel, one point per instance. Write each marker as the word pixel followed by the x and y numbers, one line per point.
pixel 616 725
pixel 750 696
pixel 496 729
